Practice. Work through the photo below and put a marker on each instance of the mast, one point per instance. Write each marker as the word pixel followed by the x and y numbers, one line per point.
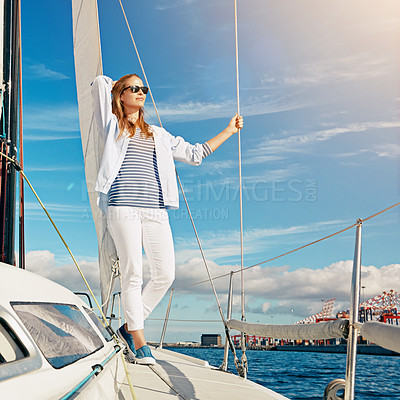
pixel 9 122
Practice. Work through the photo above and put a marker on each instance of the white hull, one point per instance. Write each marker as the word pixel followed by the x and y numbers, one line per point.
pixel 31 375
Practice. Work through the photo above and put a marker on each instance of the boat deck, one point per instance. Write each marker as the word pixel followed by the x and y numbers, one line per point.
pixel 177 376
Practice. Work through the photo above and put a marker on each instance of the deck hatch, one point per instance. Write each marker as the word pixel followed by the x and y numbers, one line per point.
pixel 61 331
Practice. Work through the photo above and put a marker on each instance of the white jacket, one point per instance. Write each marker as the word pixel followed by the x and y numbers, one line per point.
pixel 168 148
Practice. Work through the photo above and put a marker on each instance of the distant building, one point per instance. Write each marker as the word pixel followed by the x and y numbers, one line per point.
pixel 188 344
pixel 212 339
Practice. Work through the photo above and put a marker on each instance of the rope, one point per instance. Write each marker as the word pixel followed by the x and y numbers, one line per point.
pixel 18 168
pixel 140 62
pixel 104 320
pixel 179 181
pixel 115 274
pixel 296 249
pixel 128 378
pixel 203 256
pixel 168 382
pixel 239 367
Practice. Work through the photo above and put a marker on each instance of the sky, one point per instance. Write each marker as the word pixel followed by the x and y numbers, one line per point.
pixel 319 93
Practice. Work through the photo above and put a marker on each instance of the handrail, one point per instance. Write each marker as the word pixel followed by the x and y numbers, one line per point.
pixel 84 294
pixel 97 368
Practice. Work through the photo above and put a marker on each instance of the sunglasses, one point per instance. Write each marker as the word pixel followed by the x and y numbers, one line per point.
pixel 136 89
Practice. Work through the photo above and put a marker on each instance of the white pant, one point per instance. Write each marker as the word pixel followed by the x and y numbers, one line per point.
pixel 130 227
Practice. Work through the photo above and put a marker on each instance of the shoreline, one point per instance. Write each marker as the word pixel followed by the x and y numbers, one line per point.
pixel 370 349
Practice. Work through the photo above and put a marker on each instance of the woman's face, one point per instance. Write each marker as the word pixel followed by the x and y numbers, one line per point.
pixel 131 101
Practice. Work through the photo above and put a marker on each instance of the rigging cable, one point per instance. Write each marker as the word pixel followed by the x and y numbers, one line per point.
pixel 243 338
pixel 232 347
pixel 240 164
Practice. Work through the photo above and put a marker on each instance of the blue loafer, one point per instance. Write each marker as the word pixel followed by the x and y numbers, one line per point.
pixel 144 356
pixel 127 339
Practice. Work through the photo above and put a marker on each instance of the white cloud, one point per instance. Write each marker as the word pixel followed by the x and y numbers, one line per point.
pixel 280 290
pixel 48 168
pixel 167 4
pixel 276 290
pixel 43 262
pixel 352 68
pixel 58 118
pixel 59 212
pixel 300 143
pixel 47 138
pixel 200 111
pixel 218 245
pixel 388 150
pixel 67 208
pixel 40 71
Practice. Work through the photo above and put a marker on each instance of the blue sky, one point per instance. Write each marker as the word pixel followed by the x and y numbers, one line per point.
pixel 320 93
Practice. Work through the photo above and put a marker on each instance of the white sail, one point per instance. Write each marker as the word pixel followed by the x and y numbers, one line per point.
pixel 88 65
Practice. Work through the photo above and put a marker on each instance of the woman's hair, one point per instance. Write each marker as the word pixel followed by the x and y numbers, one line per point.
pixel 118 109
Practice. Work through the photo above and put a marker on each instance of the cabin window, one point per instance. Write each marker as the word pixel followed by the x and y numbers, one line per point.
pixel 61 331
pixel 98 324
pixel 11 348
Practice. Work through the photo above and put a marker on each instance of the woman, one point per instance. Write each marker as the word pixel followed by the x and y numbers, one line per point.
pixel 137 184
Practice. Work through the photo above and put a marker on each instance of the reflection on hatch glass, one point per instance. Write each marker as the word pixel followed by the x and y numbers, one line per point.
pixel 99 324
pixel 61 331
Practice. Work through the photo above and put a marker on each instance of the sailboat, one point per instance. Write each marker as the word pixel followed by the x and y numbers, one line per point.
pixel 53 346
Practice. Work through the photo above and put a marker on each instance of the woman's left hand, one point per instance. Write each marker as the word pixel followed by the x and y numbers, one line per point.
pixel 235 123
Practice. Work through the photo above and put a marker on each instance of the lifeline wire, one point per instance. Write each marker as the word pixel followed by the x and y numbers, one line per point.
pixel 298 248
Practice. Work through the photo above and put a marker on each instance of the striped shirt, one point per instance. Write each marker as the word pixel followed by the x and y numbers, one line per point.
pixel 138 183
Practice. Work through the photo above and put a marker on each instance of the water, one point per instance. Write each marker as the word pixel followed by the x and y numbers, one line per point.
pixel 304 376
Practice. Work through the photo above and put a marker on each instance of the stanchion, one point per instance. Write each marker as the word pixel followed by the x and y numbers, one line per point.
pixel 166 320
pixel 353 318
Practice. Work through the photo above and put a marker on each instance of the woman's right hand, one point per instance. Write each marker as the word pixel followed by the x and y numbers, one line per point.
pixel 235 124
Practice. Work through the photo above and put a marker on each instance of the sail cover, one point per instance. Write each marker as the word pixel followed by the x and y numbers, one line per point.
pixel 322 330
pixel 88 65
pixel 382 334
